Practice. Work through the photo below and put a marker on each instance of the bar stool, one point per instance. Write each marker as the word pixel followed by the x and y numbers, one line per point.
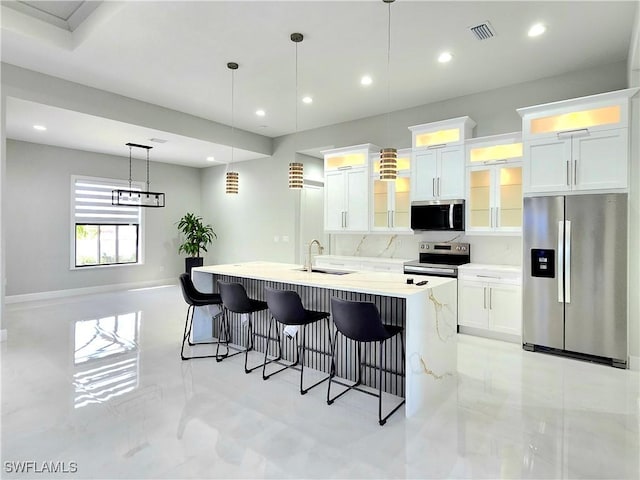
pixel 196 298
pixel 361 322
pixel 286 308
pixel 235 299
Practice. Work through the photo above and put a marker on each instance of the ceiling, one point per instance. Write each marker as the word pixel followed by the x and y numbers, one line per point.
pixel 174 54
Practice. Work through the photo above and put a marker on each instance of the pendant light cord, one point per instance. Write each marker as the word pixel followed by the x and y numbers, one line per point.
pixel 388 72
pixel 148 182
pixel 233 121
pixel 130 167
pixel 296 100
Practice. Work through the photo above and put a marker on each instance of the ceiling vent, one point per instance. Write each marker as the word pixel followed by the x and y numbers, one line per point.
pixel 483 31
pixel 158 140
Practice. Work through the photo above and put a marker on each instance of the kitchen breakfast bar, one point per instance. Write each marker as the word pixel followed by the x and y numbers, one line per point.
pixel 427 312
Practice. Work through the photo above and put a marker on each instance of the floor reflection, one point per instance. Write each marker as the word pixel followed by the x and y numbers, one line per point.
pixel 106 358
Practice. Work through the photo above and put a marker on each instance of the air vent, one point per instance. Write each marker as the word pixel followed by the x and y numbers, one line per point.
pixel 158 140
pixel 484 31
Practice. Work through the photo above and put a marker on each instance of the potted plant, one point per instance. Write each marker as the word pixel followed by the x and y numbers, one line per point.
pixel 197 236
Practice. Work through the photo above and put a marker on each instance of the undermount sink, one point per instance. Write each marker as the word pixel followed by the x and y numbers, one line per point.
pixel 325 270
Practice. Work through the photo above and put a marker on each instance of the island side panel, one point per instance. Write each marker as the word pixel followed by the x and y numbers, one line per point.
pixel 392 310
pixel 431 349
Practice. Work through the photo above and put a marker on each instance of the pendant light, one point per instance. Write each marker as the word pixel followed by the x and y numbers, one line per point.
pixel 231 181
pixel 136 197
pixel 388 156
pixel 296 169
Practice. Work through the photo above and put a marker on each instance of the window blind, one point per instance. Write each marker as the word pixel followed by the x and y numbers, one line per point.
pixel 92 202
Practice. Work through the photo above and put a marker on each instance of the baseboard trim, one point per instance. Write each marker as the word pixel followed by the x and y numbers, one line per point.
pixel 634 363
pixel 3 335
pixel 72 292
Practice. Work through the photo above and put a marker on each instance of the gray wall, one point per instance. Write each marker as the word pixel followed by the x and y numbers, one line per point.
pixel 37 226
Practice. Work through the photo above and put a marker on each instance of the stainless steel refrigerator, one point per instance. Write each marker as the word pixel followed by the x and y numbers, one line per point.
pixel 575 276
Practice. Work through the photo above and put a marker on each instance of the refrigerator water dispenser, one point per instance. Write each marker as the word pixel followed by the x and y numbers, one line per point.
pixel 543 262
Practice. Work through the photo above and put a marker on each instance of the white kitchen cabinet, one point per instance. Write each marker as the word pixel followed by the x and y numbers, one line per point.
pixel 490 301
pixel 578 145
pixel 437 169
pixel 346 207
pixel 390 200
pixel 346 191
pixel 494 185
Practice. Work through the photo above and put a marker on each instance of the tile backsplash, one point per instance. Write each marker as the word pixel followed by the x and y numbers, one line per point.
pixel 498 250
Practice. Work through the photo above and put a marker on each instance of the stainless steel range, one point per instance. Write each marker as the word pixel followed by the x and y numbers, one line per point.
pixel 439 259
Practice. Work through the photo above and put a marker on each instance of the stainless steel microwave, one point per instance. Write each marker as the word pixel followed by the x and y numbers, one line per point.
pixel 438 215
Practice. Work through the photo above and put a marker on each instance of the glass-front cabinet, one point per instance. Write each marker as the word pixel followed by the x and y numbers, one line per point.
pixel 390 200
pixel 494 185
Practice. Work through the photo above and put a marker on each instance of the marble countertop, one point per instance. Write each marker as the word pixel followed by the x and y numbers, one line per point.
pixel 376 283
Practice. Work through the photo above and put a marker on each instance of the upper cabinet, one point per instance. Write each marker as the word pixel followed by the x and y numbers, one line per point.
pixel 346 191
pixel 577 145
pixel 494 184
pixel 390 200
pixel 437 169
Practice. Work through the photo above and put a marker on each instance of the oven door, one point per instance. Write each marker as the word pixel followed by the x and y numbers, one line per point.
pixel 433 270
pixel 438 215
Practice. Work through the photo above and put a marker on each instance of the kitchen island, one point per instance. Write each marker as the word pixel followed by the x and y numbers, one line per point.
pixel 428 313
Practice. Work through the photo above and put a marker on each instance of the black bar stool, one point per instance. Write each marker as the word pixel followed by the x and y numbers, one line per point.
pixel 235 299
pixel 361 322
pixel 286 308
pixel 196 298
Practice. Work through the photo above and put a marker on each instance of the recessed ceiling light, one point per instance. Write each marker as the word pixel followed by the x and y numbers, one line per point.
pixel 260 113
pixel 41 128
pixel 307 99
pixel 445 57
pixel 366 80
pixel 537 30
pixel 211 159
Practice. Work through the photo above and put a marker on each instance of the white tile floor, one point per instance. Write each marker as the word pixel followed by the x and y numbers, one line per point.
pixel 112 399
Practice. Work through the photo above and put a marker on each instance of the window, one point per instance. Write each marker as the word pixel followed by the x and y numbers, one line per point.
pixel 103 234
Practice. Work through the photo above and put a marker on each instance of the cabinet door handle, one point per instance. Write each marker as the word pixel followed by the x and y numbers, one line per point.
pixel 568 171
pixel 393 218
pixel 484 297
pixel 439 145
pixel 490 298
pixel 346 220
pixel 491 217
pixel 388 218
pixel 575 172
pixel 439 191
pixel 497 217
pixel 345 167
pixel 433 186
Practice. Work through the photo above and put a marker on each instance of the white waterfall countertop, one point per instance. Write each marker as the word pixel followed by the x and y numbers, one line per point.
pixel 376 283
pixel 430 316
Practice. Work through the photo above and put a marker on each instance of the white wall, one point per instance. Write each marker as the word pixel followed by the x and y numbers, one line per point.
pixel 37 226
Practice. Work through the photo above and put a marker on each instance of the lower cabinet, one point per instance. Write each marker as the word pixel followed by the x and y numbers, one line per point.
pixel 490 303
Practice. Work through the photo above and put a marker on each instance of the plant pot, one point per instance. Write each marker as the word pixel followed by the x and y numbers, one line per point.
pixel 190 262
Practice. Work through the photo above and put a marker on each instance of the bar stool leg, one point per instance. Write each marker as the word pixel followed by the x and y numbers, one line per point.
pixel 303 349
pixel 187 322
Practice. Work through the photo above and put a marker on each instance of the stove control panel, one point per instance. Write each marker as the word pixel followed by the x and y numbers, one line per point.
pixel 444 248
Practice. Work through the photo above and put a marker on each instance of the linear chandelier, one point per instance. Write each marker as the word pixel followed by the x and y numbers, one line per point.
pixel 137 198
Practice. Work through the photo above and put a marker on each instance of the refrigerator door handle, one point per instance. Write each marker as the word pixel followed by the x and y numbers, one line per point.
pixel 560 261
pixel 567 273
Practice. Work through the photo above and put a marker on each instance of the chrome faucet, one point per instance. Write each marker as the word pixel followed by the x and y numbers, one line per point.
pixel 320 250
